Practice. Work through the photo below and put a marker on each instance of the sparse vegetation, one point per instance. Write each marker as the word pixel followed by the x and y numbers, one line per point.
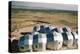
pixel 22 18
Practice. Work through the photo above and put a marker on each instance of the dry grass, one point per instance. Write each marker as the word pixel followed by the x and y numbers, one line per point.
pixel 25 18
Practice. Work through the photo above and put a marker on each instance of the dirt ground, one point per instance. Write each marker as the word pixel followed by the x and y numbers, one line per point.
pixel 24 20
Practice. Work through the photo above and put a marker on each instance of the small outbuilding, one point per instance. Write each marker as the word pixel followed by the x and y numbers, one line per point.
pixel 39 42
pixel 54 40
pixel 67 39
pixel 25 42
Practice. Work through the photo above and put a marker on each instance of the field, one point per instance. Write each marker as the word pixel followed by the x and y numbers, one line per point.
pixel 22 20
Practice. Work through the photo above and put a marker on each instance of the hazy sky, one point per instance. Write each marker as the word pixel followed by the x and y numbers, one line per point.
pixel 36 5
pixel 54 1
